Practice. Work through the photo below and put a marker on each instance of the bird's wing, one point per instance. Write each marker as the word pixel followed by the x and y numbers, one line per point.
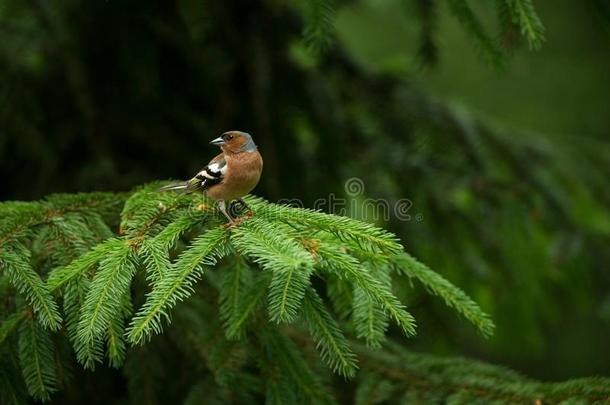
pixel 212 174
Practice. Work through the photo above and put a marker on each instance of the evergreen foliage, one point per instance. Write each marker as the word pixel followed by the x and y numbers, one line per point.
pixel 523 15
pixel 515 17
pixel 437 285
pixel 486 46
pixel 262 311
pixel 397 376
pixel 319 23
pixel 36 360
pixel 427 49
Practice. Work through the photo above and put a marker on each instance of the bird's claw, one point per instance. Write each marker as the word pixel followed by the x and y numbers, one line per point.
pixel 239 221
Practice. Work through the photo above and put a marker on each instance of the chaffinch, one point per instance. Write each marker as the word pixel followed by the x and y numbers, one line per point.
pixel 230 175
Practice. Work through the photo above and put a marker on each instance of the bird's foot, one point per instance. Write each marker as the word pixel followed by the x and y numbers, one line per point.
pixel 239 220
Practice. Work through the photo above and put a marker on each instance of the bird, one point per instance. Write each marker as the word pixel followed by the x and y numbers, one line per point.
pixel 229 176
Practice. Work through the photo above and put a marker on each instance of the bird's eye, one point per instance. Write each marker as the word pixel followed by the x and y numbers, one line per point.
pixel 230 137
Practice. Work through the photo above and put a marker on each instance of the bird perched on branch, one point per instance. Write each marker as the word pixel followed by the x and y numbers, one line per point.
pixel 230 175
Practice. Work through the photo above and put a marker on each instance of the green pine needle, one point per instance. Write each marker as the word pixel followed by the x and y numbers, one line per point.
pixel 177 285
pixel 61 275
pixel 15 263
pixel 10 324
pixel 524 16
pixel 368 237
pixel 485 45
pixel 116 343
pixel 330 341
pixel 37 361
pixel 102 304
pixel 319 24
pixel 452 295
pixel 252 299
pixel 88 353
pixel 291 265
pixel 156 260
pixel 282 352
pixel 232 292
pixel 344 265
pixel 370 322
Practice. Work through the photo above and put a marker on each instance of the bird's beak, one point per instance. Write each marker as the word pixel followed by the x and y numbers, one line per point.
pixel 218 141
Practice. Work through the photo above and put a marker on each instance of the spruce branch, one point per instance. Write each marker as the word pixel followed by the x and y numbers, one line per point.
pixel 248 305
pixel 88 352
pixel 417 377
pixel 277 253
pixel 10 324
pixel 66 238
pixel 15 263
pixel 281 351
pixel 183 221
pixel 148 211
pixel 102 306
pixel 290 264
pixel 509 33
pixel 20 218
pixel 340 263
pixel 176 286
pixel 373 389
pixel 369 319
pixel 452 295
pixel 232 292
pixel 319 27
pixel 523 15
pixel 340 293
pixel 278 392
pixel 116 345
pixel 366 236
pixel 474 28
pixel 36 360
pixel 370 322
pixel 330 341
pixel 12 391
pixel 59 276
pixel 156 260
pixel 155 250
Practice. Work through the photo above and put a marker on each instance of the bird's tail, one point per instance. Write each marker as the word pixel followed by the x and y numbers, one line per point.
pixel 180 186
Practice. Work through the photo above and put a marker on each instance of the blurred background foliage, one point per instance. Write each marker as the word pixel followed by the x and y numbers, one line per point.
pixel 503 150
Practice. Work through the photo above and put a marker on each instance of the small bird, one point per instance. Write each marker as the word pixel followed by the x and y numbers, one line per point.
pixel 230 175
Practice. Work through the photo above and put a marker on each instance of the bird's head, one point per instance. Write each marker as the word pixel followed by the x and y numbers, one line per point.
pixel 235 142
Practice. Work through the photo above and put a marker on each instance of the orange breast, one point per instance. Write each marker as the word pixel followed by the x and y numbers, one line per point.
pixel 242 174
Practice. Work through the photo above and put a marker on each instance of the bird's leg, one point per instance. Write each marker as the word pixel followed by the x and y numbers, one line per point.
pixel 250 212
pixel 239 219
pixel 222 207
